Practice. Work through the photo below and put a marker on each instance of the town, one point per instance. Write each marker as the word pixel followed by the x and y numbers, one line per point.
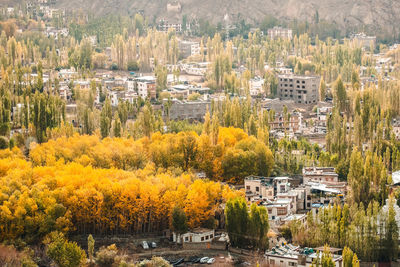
pixel 171 140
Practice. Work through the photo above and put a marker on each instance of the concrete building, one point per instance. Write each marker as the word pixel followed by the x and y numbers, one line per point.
pixel 256 86
pixel 198 235
pixel 174 7
pixel 278 209
pixel 280 33
pixel 146 87
pixel 364 40
pixel 187 48
pixel 299 88
pixel 324 175
pixel 187 110
pixel 259 187
pixel 283 123
pixel 165 26
pixel 289 255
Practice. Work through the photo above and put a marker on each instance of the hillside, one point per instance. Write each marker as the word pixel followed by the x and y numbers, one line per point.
pixel 375 14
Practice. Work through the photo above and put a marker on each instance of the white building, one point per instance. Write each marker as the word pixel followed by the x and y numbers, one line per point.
pixel 280 33
pixel 289 255
pixel 198 235
pixel 188 48
pixel 146 86
pixel 256 86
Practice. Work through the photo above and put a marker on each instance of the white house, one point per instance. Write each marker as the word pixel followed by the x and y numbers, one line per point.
pixel 198 235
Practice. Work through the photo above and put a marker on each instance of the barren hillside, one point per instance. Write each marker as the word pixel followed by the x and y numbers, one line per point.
pixel 380 15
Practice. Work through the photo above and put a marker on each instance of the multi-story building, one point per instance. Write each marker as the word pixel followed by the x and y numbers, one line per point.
pixel 280 33
pixel 364 40
pixel 259 187
pixel 289 255
pixel 278 209
pixel 187 110
pixel 130 84
pixel 164 26
pixel 256 86
pixel 146 87
pixel 286 123
pixel 187 48
pixel 322 175
pixel 299 88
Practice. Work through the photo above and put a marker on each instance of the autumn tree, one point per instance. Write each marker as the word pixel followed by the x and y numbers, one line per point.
pixel 63 252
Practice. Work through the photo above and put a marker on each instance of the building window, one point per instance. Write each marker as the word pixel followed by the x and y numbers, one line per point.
pixel 257 189
pixel 186 239
pixel 202 238
pixel 247 187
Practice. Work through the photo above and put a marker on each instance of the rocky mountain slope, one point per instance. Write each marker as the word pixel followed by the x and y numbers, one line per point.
pixel 379 15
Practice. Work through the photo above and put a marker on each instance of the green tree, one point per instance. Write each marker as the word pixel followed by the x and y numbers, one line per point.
pixel 106 119
pixel 63 252
pixel 179 220
pixel 90 248
pixel 340 96
pixel 117 127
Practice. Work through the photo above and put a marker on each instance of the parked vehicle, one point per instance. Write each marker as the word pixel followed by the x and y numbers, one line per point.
pixel 145 245
pixel 177 262
pixel 204 259
pixel 211 261
pixel 195 260
pixel 153 244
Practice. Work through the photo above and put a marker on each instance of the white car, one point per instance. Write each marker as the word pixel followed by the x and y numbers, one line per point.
pixel 145 245
pixel 204 260
pixel 211 261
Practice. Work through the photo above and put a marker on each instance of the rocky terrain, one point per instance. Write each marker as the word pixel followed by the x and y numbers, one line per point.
pixel 380 16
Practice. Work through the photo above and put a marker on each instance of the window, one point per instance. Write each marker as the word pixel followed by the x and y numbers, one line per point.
pixel 247 187
pixel 186 239
pixel 292 264
pixel 202 238
pixel 257 189
pixel 211 236
pixel 206 237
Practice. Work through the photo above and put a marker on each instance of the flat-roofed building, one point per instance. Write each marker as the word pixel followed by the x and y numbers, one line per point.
pixel 146 87
pixel 259 187
pixel 322 175
pixel 364 40
pixel 187 110
pixel 188 48
pixel 299 88
pixel 280 33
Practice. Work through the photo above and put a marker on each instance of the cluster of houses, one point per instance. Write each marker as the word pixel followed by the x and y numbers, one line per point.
pixel 288 199
pixel 290 255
